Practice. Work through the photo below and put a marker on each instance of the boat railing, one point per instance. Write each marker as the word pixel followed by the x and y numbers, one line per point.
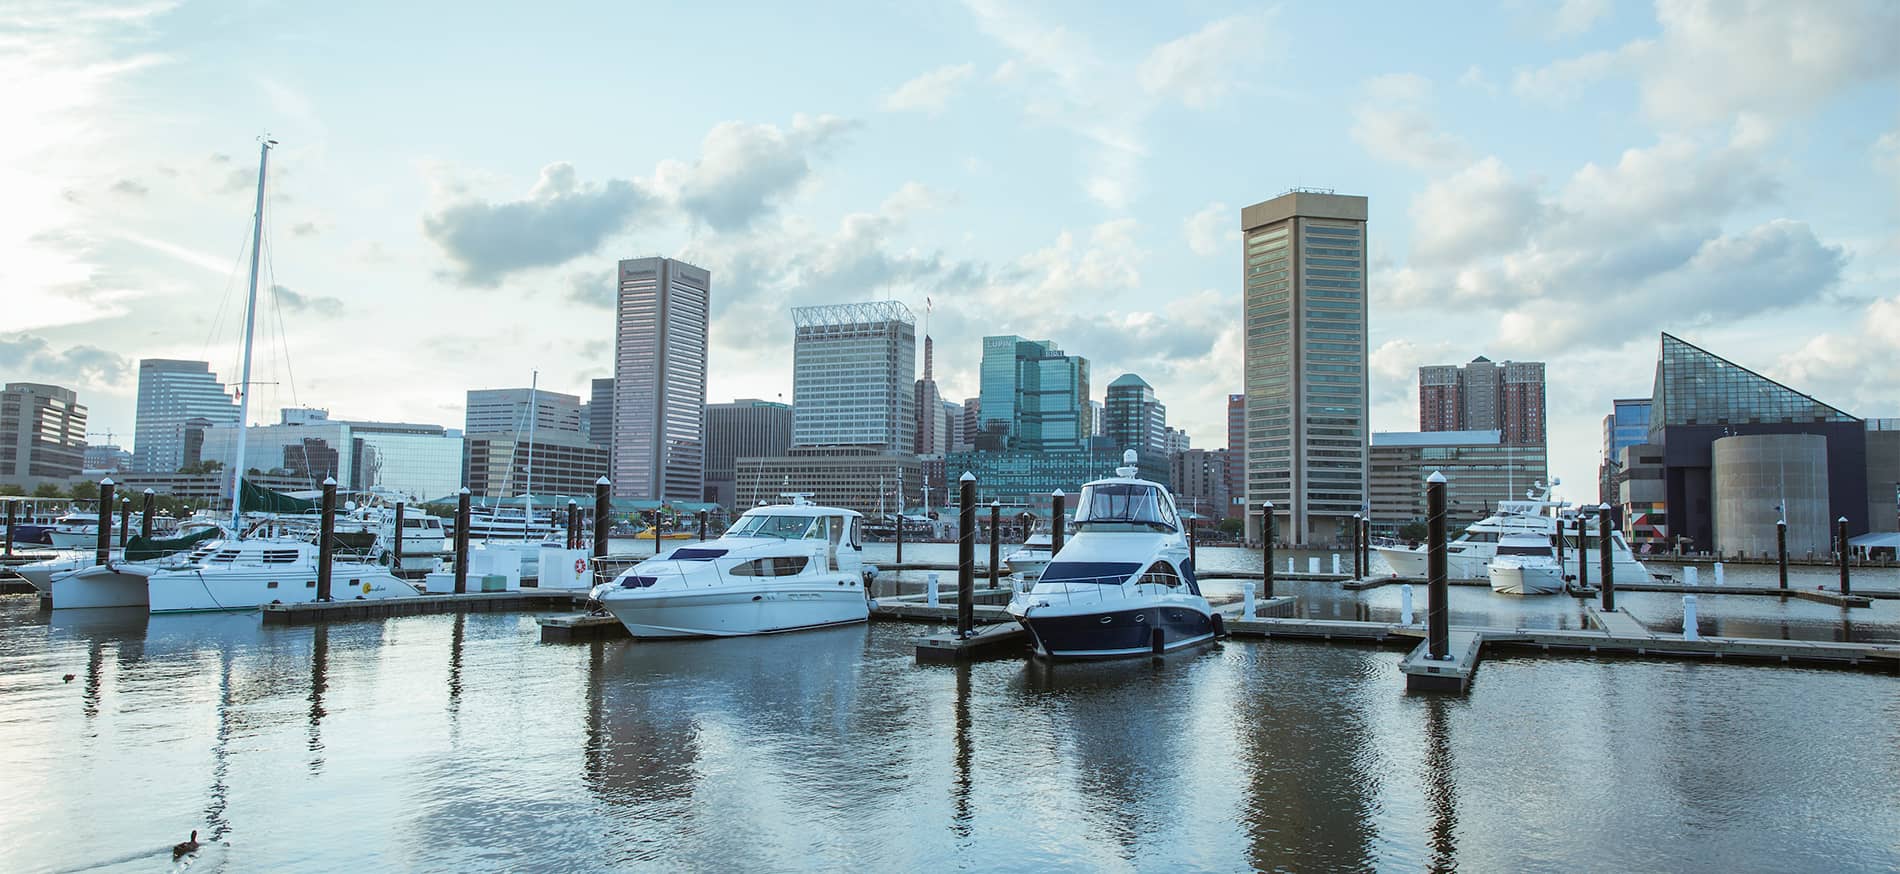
pixel 1103 586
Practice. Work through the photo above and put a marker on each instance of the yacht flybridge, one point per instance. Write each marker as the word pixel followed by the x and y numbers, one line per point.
pixel 780 567
pixel 1469 556
pixel 1123 585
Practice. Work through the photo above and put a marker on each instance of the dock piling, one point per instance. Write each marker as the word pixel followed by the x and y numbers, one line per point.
pixel 656 531
pixel 145 515
pixel 1365 545
pixel 602 517
pixel 1437 612
pixel 13 515
pixel 125 519
pixel 1603 554
pixel 461 541
pixel 1781 550
pixel 1336 564
pixel 1688 619
pixel 1561 567
pixel 900 526
pixel 996 541
pixel 1058 521
pixel 326 537
pixel 1690 576
pixel 1583 554
pixel 1266 551
pixel 966 555
pixel 1358 572
pixel 1841 525
pixel 573 524
pixel 702 525
pixel 1248 610
pixel 395 562
pixel 104 545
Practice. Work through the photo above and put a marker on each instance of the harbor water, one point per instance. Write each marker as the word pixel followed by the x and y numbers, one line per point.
pixel 458 743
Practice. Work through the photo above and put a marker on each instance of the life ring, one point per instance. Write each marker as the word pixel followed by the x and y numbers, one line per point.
pixel 580 566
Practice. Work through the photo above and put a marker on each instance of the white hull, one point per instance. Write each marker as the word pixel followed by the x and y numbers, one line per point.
pixel 740 610
pixel 94 587
pixel 81 539
pixel 1411 564
pixel 41 573
pixel 1525 580
pixel 241 588
pixel 1030 566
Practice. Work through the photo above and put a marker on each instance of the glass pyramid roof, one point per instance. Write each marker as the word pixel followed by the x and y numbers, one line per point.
pixel 1694 387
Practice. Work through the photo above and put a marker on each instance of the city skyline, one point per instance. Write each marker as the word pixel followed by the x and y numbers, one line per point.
pixel 1501 161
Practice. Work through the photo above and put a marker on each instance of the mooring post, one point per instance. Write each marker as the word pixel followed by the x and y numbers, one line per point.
pixel 1437 612
pixel 996 541
pixel 1718 573
pixel 1563 575
pixel 1781 550
pixel 656 530
pixel 13 515
pixel 1365 544
pixel 1058 521
pixel 125 519
pixel 602 510
pixel 105 521
pixel 1603 554
pixel 900 528
pixel 573 524
pixel 1247 608
pixel 932 590
pixel 145 515
pixel 1266 550
pixel 1358 572
pixel 1688 619
pixel 1193 553
pixel 966 554
pixel 1583 555
pixel 1841 524
pixel 461 541
pixel 326 537
pixel 395 561
pixel 701 516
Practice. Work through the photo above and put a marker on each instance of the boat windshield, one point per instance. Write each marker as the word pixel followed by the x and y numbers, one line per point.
pixel 1125 503
pixel 770 525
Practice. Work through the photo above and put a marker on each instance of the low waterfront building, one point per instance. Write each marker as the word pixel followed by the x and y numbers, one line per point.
pixel 507 464
pixel 1023 478
pixel 1883 474
pixel 1639 495
pixel 867 481
pixel 1480 470
pixel 42 435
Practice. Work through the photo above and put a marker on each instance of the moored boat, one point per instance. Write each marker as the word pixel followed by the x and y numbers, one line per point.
pixel 1525 564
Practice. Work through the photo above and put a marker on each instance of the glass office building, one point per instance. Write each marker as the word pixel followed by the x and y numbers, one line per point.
pixel 172 392
pixel 1034 398
pixel 659 389
pixel 1627 425
pixel 854 367
pixel 1135 420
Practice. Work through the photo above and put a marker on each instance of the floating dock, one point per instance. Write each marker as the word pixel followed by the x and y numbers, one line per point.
pixel 473 602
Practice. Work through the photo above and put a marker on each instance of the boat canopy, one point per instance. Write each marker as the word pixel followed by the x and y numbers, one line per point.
pixel 1135 503
pixel 139 548
pixel 257 499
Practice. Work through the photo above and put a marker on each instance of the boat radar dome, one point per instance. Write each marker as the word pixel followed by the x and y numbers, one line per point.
pixel 1128 468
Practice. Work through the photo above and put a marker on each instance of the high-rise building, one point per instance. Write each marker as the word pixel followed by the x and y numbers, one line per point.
pixel 1303 268
pixel 1175 440
pixel 171 392
pixel 42 434
pixel 1199 482
pixel 931 431
pixel 953 426
pixel 1098 419
pixel 659 401
pixel 972 422
pixel 495 410
pixel 1034 397
pixel 1626 425
pixel 1236 456
pixel 747 427
pixel 1135 419
pixel 853 370
pixel 1484 396
pixel 506 464
pixel 600 412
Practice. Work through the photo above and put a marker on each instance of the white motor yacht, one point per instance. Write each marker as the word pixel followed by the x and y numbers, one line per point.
pixel 1032 557
pixel 1123 584
pixel 225 575
pixel 1525 564
pixel 780 567
pixel 79 529
pixel 1469 556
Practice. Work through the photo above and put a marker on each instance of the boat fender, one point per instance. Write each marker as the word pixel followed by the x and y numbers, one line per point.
pixel 1220 626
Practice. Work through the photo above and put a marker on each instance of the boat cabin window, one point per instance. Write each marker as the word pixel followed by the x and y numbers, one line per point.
pixel 1162 575
pixel 1125 503
pixel 1524 550
pixel 771 525
pixel 1480 537
pixel 782 566
pixel 857 532
pixel 817 529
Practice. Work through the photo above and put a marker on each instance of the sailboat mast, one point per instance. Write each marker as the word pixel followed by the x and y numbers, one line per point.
pixel 534 412
pixel 250 325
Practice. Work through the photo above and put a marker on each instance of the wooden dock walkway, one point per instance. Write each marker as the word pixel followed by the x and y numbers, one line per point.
pixel 473 602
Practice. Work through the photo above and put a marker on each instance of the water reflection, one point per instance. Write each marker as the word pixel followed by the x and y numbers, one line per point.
pixel 1440 790
pixel 965 751
pixel 1312 772
pixel 319 682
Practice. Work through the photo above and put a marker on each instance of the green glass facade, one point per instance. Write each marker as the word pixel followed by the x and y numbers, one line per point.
pixel 1025 479
pixel 1034 398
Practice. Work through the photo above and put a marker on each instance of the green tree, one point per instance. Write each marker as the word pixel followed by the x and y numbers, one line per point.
pixel 12 490
pixel 1232 526
pixel 47 490
pixel 1414 531
pixel 86 491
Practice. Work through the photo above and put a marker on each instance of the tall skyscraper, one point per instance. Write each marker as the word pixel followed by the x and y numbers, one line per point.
pixel 170 393
pixel 972 422
pixel 1098 419
pixel 659 401
pixel 1627 425
pixel 931 429
pixel 501 410
pixel 1484 396
pixel 1034 397
pixel 1135 419
pixel 42 434
pixel 853 369
pixel 745 428
pixel 1303 270
pixel 953 426
pixel 600 412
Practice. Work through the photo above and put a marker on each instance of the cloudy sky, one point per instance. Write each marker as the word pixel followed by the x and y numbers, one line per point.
pixel 1552 181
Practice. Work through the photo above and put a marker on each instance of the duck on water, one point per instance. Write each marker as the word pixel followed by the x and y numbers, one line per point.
pixel 1124 584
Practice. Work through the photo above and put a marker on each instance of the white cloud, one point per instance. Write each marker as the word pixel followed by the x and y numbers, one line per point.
pixel 1714 60
pixel 1393 123
pixel 1575 17
pixel 1199 68
pixel 1212 230
pixel 1478 210
pixel 931 91
pixel 1886 152
pixel 744 169
pixel 1853 368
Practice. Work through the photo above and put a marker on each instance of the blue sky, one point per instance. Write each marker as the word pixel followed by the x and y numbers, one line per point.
pixel 1548 181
